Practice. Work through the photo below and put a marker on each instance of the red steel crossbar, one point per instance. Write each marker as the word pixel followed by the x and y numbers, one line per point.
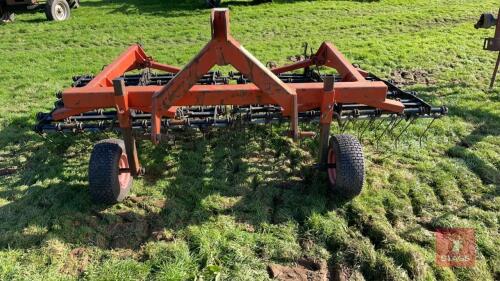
pixel 223 49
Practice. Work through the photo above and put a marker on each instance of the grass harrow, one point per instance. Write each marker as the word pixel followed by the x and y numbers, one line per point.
pixel 159 103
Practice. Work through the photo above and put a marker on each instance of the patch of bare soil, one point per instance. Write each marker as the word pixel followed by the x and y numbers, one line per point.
pixel 344 273
pixel 130 232
pixel 77 262
pixel 308 269
pixel 403 77
pixel 8 171
pixel 162 235
pixel 144 203
pixel 137 199
pixel 304 270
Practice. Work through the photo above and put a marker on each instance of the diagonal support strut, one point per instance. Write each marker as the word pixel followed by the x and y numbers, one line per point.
pixel 223 49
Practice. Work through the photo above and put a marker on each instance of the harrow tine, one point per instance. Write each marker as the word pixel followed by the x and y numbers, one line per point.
pixel 115 118
pixel 377 138
pixel 396 124
pixel 350 123
pixel 343 125
pixel 378 125
pixel 356 125
pixel 306 47
pixel 410 121
pixel 425 131
pixel 369 124
pixel 319 72
pixel 392 130
pixel 360 126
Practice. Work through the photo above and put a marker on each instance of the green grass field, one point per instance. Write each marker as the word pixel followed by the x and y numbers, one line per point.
pixel 227 206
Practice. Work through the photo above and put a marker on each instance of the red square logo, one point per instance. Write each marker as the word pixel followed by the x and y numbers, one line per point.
pixel 456 247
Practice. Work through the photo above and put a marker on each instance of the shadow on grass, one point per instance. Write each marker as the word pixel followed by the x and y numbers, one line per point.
pixel 180 8
pixel 35 20
pixel 253 175
pixel 165 8
pixel 47 183
pixel 154 7
pixel 486 124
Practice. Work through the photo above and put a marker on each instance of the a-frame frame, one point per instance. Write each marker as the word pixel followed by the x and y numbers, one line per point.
pixel 223 49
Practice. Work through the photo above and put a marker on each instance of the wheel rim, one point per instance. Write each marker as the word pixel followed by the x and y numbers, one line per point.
pixel 124 177
pixel 332 172
pixel 60 12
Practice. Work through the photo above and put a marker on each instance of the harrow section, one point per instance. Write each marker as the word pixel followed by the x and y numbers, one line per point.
pixel 201 117
pixel 160 99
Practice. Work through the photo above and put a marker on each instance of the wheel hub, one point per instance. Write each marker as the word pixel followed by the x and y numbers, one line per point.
pixel 60 12
pixel 332 170
pixel 124 178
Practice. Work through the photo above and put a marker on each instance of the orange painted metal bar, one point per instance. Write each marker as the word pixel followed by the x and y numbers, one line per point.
pixel 292 67
pixel 363 72
pixel 265 80
pixel 326 108
pixel 261 76
pixel 327 55
pixel 335 59
pixel 65 112
pixel 131 59
pixel 164 98
pixel 122 103
pixel 238 94
pixel 163 67
pixel 78 100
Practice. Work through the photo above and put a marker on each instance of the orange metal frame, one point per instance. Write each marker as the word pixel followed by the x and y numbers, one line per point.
pixel 223 49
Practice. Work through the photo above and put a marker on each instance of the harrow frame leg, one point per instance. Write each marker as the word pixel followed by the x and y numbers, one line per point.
pixel 495 71
pixel 493 44
pixel 324 135
pixel 126 127
pixel 326 119
pixel 131 150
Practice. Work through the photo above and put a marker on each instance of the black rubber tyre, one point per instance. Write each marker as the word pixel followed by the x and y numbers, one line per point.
pixel 347 176
pixel 213 3
pixel 57 10
pixel 74 4
pixel 6 16
pixel 256 2
pixel 104 172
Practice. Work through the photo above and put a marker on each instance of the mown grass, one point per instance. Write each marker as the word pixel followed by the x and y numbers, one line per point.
pixel 227 205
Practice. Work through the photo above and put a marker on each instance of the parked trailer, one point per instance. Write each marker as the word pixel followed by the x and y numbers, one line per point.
pixel 55 10
pixel 157 104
